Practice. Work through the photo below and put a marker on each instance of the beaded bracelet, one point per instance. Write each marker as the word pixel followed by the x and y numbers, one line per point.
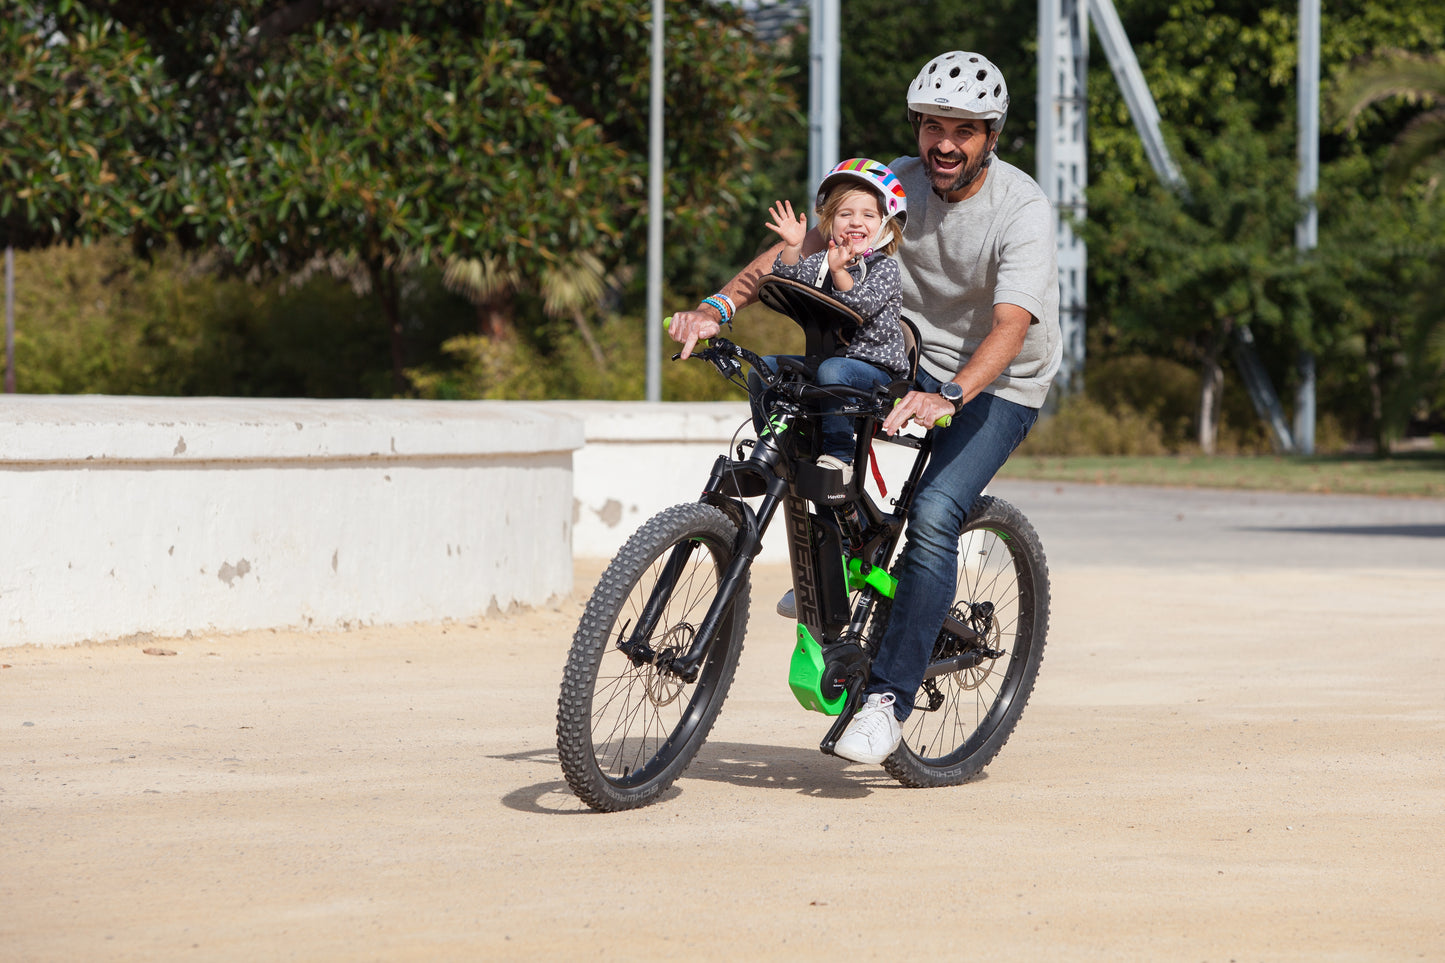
pixel 721 307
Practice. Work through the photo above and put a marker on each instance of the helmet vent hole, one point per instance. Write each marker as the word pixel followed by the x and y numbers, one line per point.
pixel 983 75
pixel 997 90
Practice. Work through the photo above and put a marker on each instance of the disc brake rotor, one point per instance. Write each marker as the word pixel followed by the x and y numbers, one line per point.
pixel 975 676
pixel 663 687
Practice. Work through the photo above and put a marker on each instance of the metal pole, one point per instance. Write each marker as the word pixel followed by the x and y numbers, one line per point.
pixel 823 56
pixel 654 213
pixel 1142 109
pixel 1048 113
pixel 9 319
pixel 1307 231
pixel 1062 164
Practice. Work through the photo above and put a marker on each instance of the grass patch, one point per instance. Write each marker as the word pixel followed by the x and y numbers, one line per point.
pixel 1407 474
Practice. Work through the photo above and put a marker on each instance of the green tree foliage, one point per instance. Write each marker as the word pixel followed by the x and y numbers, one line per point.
pixel 99 319
pixel 1373 94
pixel 500 150
pixel 1181 273
pixel 1202 57
pixel 1378 302
pixel 1414 79
pixel 1223 73
pixel 88 134
pixel 377 137
pixel 883 47
pixel 387 152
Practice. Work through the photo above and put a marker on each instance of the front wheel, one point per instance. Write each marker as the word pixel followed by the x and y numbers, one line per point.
pixel 961 719
pixel 626 730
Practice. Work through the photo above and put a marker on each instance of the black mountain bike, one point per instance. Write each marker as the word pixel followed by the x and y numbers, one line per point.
pixel 658 643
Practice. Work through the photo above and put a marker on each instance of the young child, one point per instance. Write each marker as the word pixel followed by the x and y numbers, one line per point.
pixel 861 209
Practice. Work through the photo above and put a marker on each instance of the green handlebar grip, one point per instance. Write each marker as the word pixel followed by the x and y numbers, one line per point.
pixel 943 422
pixel 667 326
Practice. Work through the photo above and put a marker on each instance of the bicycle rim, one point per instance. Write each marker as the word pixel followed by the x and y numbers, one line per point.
pixel 626 731
pixel 962 719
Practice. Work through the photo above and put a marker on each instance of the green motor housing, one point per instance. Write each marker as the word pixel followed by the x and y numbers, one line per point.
pixel 805 676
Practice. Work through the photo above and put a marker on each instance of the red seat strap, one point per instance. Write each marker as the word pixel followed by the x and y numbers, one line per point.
pixel 877 475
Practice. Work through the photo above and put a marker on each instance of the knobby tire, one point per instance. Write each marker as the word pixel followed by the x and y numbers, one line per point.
pixel 625 732
pixel 1001 562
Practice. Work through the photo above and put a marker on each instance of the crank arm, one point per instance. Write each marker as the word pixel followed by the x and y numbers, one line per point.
pixel 835 732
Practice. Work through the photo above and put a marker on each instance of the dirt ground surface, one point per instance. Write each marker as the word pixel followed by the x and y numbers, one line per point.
pixel 1233 756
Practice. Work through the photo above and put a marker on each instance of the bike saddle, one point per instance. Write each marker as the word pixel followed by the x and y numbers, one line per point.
pixel 828 324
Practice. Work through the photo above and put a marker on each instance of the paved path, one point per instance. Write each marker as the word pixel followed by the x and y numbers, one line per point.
pixel 1236 752
pixel 1086 525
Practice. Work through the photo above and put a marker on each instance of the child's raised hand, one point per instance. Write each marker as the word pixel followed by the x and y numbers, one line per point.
pixel 840 256
pixel 791 228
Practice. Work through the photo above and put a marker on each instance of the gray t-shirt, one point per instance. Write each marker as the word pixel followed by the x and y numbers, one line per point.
pixel 959 260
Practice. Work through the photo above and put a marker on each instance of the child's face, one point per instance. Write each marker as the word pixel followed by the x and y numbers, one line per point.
pixel 857 219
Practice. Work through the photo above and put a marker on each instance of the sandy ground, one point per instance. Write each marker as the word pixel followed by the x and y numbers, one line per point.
pixel 1217 765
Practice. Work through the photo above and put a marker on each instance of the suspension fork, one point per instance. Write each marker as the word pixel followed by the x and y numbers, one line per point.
pixel 750 541
pixel 751 526
pixel 636 647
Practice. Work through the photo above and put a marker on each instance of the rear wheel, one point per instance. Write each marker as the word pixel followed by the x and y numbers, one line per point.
pixel 627 729
pixel 961 719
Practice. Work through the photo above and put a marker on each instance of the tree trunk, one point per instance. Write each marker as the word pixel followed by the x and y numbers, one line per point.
pixel 1211 389
pixel 494 316
pixel 588 337
pixel 388 292
pixel 1374 371
pixel 1211 393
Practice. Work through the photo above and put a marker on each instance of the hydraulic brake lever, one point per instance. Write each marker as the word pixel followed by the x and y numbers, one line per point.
pixel 727 364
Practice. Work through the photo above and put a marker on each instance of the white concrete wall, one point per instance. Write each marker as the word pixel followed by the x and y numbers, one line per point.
pixel 121 516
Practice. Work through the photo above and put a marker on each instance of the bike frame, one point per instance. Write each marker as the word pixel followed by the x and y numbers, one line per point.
pixel 830 665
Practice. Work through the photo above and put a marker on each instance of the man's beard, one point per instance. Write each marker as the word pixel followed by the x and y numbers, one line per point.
pixel 970 172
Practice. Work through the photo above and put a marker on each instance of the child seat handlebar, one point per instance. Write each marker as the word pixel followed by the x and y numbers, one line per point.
pixel 828 328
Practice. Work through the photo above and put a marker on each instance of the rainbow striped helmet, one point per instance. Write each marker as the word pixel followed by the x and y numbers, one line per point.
pixel 877 176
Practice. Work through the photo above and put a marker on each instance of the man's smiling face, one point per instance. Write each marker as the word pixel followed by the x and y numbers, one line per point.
pixel 954 150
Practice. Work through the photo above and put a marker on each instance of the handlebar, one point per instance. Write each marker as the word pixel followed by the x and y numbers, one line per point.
pixel 724 355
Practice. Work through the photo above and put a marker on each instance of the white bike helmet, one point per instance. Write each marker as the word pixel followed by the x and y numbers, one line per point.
pixel 960 84
pixel 877 176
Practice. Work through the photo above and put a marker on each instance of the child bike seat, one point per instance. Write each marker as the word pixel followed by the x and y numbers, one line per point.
pixel 828 324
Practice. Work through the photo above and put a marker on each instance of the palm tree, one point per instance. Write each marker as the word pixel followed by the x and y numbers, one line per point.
pixel 1417 79
pixel 569 287
pixel 1419 148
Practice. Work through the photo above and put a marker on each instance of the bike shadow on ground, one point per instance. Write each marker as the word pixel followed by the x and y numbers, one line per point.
pixel 747 765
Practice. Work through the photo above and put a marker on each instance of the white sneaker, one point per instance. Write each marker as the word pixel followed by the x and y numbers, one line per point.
pixel 832 461
pixel 873 733
pixel 788 606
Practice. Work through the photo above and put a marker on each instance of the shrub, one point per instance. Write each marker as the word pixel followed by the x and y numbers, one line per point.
pixel 1163 392
pixel 1083 426
pixel 1137 405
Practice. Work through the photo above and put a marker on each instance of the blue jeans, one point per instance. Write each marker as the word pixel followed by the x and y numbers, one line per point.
pixel 837 430
pixel 966 455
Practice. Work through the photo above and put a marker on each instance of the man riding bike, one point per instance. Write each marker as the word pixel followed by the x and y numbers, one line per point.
pixel 980 281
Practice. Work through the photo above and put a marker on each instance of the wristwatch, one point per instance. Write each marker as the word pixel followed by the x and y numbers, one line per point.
pixel 952 394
